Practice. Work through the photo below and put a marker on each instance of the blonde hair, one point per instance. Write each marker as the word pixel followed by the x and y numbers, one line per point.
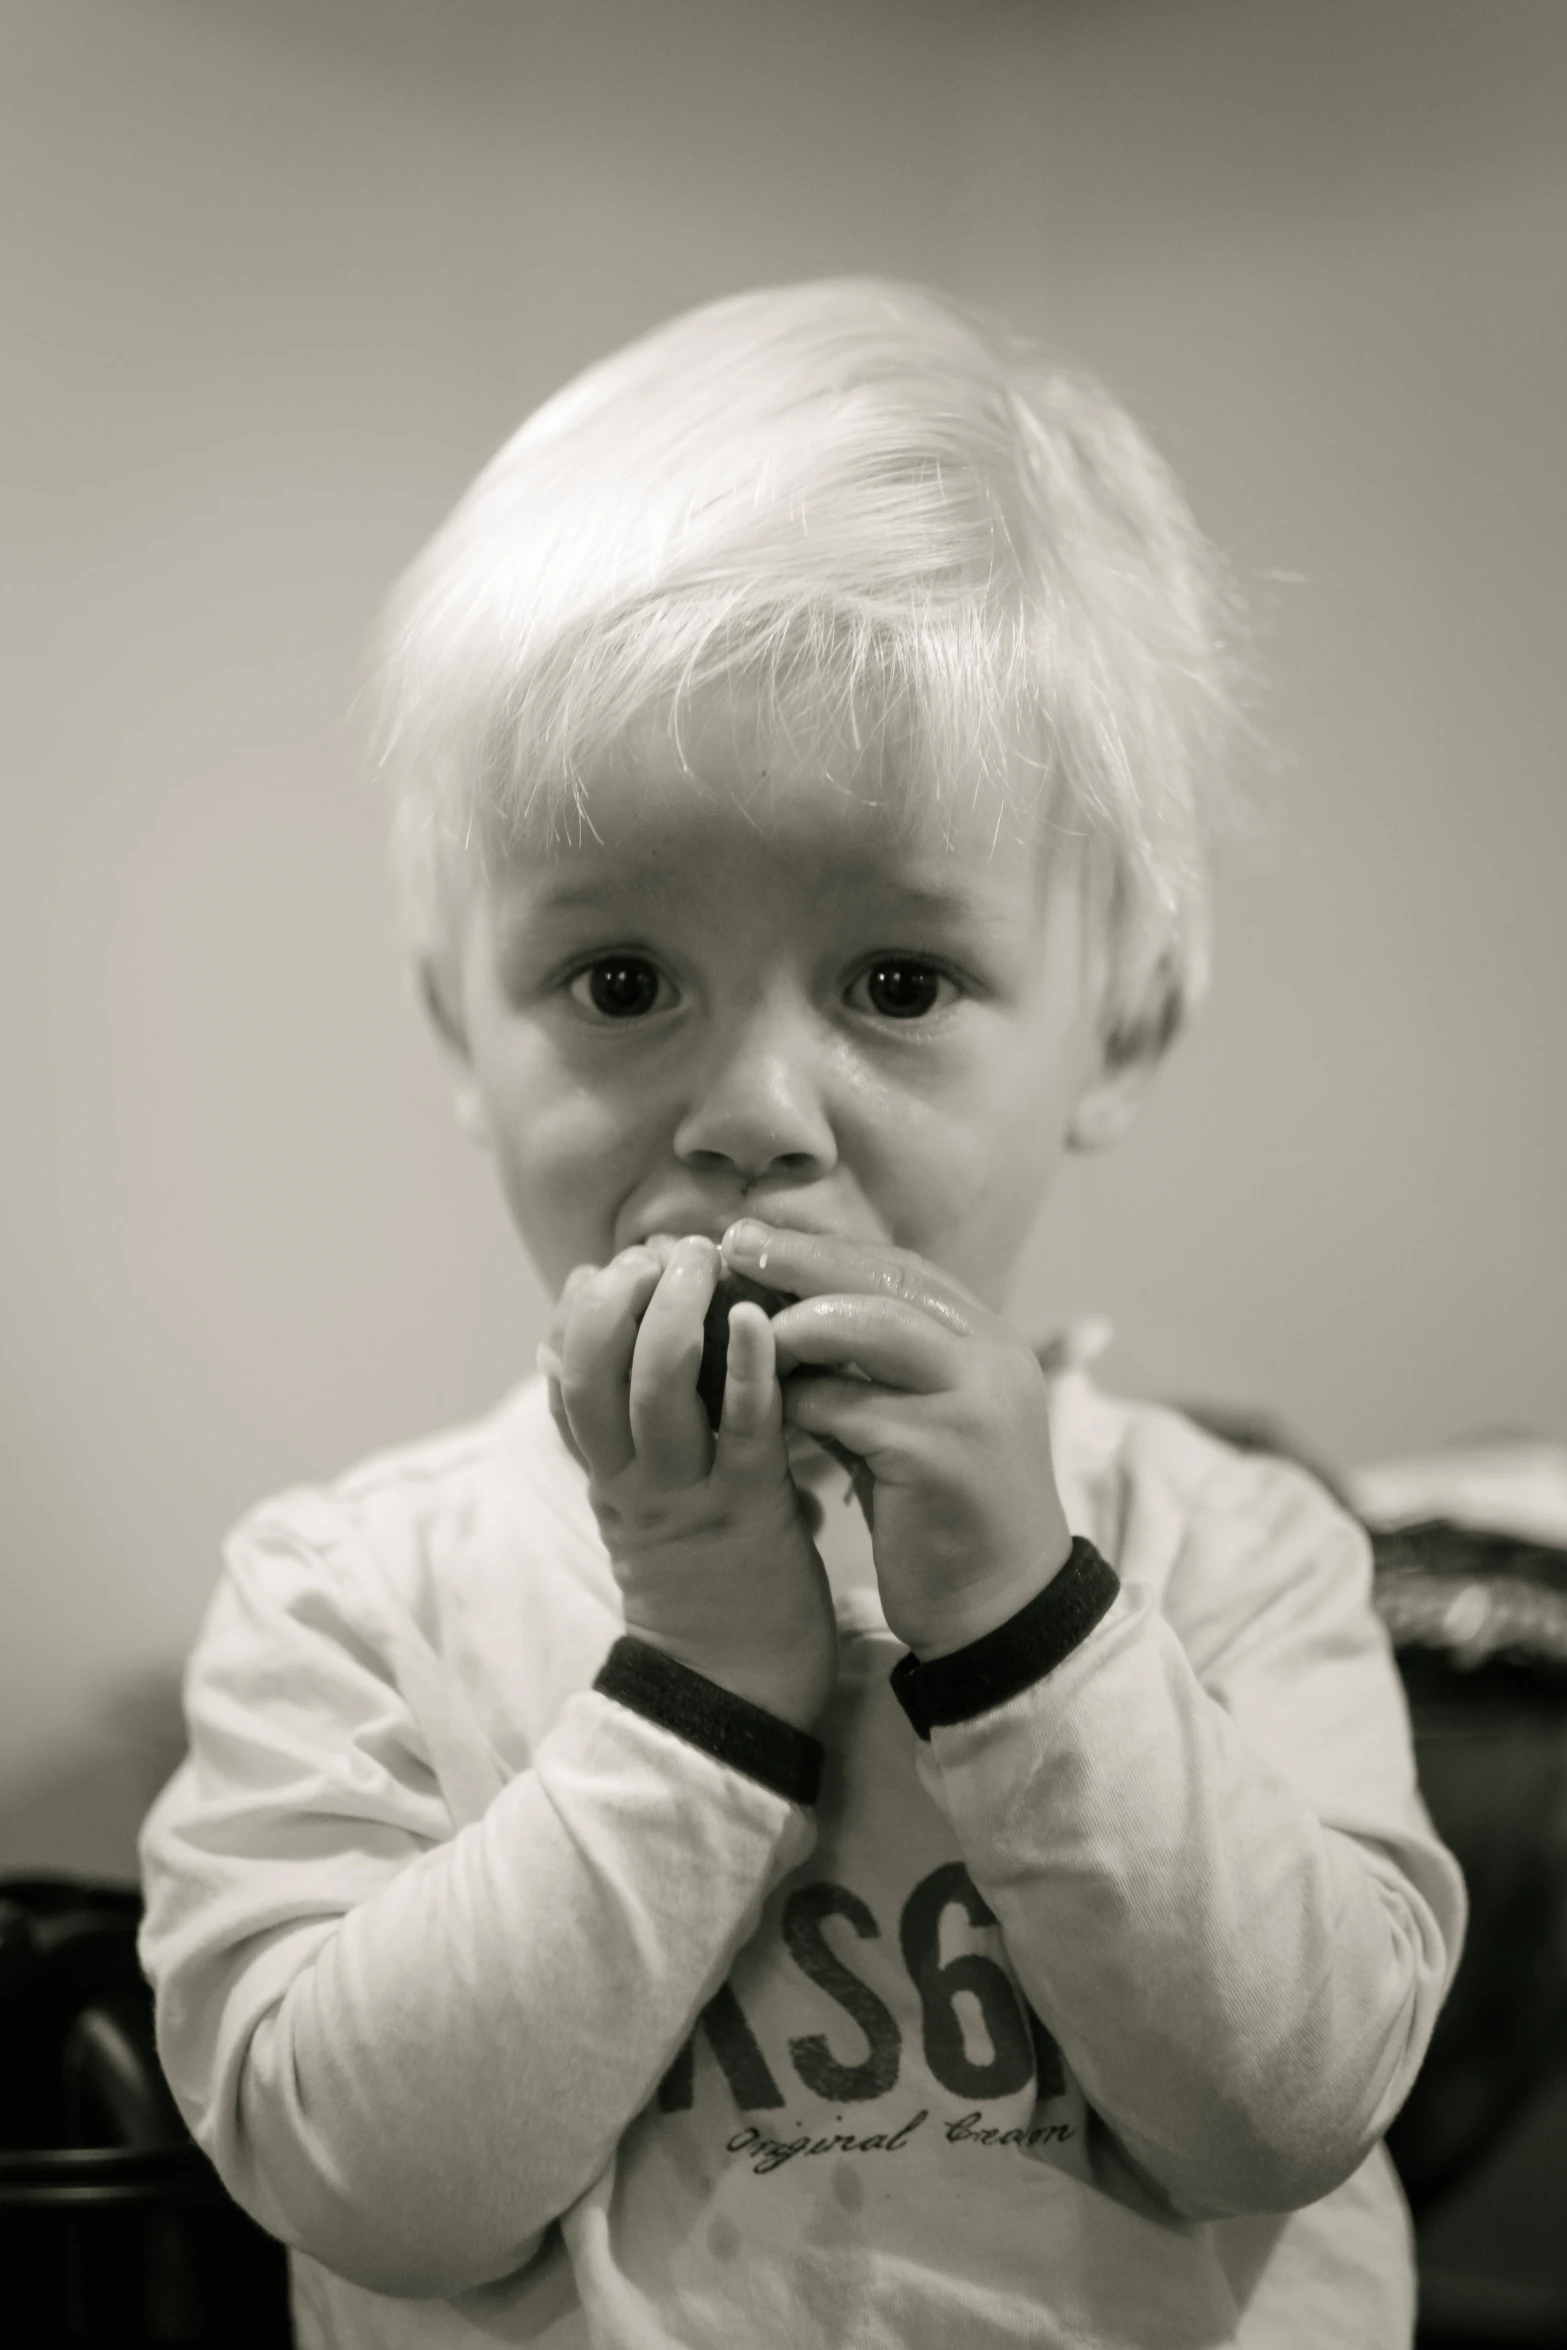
pixel 846 496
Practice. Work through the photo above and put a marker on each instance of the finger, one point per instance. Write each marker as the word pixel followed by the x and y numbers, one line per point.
pixel 562 1424
pixel 883 1338
pixel 550 1361
pixel 669 1426
pixel 811 1264
pixel 570 1290
pixel 596 1355
pixel 753 1406
pixel 854 1419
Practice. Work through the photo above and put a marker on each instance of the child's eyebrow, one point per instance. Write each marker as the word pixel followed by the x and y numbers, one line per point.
pixel 585 893
pixel 937 902
pixel 953 908
pixel 886 899
pixel 516 915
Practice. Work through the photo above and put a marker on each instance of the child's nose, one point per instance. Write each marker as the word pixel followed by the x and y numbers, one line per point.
pixel 758 1105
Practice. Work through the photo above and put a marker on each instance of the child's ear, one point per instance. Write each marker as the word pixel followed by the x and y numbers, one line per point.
pixel 446 1020
pixel 1130 1051
pixel 1110 1101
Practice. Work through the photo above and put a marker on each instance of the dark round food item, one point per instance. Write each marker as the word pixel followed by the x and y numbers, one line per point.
pixel 733 1289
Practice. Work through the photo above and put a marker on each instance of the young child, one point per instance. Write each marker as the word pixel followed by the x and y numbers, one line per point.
pixel 938 1860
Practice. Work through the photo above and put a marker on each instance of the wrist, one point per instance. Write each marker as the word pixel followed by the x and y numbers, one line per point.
pixel 747 1737
pixel 967 1682
pixel 792 1690
pixel 959 1618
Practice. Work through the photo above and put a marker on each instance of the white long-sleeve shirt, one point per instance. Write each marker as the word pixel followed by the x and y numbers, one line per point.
pixel 523 2018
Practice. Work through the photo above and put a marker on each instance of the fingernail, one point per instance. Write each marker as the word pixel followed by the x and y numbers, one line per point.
pixel 748 1238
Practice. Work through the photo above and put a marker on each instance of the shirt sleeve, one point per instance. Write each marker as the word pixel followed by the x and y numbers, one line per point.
pixel 407 2046
pixel 1201 1834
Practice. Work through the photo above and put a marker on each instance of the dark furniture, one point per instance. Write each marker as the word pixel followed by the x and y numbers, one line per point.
pixel 114 2227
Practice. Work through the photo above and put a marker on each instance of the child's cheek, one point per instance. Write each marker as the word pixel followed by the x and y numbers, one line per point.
pixel 565 1166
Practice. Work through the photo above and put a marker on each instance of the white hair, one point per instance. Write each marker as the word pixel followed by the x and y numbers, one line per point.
pixel 846 497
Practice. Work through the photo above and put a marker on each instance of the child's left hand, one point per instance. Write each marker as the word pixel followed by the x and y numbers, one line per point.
pixel 945 1404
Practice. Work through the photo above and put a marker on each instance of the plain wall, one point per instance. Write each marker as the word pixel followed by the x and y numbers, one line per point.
pixel 275 279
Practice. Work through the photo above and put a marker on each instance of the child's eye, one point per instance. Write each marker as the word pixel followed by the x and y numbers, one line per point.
pixel 621 987
pixel 900 987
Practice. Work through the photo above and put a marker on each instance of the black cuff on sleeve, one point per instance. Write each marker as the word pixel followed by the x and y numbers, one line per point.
pixel 730 1728
pixel 1018 1653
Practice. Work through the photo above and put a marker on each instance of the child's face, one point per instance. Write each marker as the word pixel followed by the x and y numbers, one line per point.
pixel 806 1012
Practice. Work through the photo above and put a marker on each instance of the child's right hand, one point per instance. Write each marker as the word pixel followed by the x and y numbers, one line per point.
pixel 705 1535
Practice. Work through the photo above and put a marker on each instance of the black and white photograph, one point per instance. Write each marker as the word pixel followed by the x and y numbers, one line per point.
pixel 785 1138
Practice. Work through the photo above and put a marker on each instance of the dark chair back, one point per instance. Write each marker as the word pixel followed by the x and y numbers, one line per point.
pixel 114 2227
